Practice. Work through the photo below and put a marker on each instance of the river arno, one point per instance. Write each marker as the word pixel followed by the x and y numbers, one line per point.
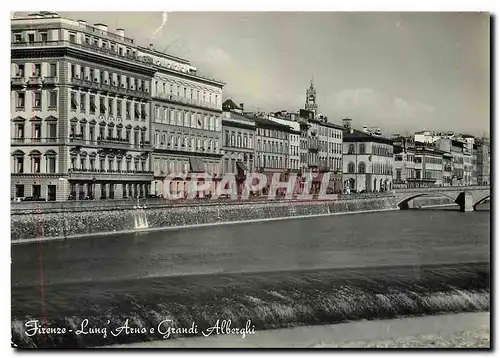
pixel 424 236
pixel 299 262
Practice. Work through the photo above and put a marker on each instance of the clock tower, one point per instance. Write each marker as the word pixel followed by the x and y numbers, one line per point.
pixel 311 104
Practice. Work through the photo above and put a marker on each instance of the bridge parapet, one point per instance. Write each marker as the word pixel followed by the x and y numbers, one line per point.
pixel 467 197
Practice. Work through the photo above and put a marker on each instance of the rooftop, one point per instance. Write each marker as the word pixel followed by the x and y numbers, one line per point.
pixel 360 136
pixel 269 123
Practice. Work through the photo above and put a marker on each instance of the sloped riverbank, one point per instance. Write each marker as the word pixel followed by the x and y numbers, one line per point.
pixel 30 226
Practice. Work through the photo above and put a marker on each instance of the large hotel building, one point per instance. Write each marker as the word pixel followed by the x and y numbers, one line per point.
pixel 95 116
pixel 186 123
pixel 80 111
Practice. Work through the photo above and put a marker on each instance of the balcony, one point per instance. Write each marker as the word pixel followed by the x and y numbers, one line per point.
pixel 84 46
pixel 35 81
pixel 77 138
pixel 111 142
pixel 29 140
pixel 185 100
pixel 108 175
pixel 49 80
pixel 18 81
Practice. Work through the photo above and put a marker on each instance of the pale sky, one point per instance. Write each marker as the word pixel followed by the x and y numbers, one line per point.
pixel 399 71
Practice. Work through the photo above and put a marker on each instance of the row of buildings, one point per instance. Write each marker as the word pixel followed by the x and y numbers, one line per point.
pixel 94 115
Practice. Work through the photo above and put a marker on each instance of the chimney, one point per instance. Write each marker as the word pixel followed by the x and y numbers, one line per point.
pixel 102 27
pixel 151 47
pixel 241 106
pixel 82 23
pixel 347 124
pixel 120 32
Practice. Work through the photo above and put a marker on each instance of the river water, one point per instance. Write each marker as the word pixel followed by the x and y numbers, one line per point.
pixel 134 266
pixel 421 236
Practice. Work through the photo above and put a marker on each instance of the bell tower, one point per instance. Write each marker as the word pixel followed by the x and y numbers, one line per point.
pixel 311 104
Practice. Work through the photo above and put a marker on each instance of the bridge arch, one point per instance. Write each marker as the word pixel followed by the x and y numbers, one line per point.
pixel 403 203
pixel 480 201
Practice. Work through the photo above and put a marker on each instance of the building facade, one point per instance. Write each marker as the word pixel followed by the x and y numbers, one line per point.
pixel 80 99
pixel 186 127
pixel 404 163
pixel 291 120
pixel 428 166
pixel 483 161
pixel 238 141
pixel 271 148
pixel 367 161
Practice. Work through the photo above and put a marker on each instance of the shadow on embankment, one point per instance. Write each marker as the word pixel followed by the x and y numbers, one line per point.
pixel 270 300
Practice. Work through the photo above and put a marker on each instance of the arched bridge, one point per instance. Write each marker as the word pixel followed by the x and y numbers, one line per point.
pixel 467 197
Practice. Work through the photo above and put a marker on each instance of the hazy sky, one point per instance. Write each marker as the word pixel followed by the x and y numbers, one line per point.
pixel 399 71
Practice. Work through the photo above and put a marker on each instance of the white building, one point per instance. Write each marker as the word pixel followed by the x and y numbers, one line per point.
pixel 368 160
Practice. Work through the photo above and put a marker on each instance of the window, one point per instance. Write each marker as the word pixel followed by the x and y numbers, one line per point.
pixel 31 37
pixel 38 100
pixel 38 70
pixel 19 191
pixel 361 167
pixel 53 99
pixel 20 131
pixel 361 149
pixel 102 106
pixel 18 37
pixel 82 130
pixel 51 164
pixel 350 167
pixel 20 100
pixel 53 70
pixel 136 111
pixel 20 71
pixel 74 102
pixel 36 163
pixel 92 104
pixel 37 191
pixel 52 131
pixel 72 38
pixel 127 109
pixel 351 150
pixel 82 102
pixel 110 106
pixel 118 108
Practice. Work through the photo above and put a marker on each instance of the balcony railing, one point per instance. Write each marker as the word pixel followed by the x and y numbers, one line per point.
pixel 18 81
pixel 102 174
pixel 84 46
pixel 114 142
pixel 109 171
pixel 106 87
pixel 185 100
pixel 49 80
pixel 30 140
pixel 35 81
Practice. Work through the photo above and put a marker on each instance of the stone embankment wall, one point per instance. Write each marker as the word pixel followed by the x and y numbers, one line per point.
pixel 47 224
